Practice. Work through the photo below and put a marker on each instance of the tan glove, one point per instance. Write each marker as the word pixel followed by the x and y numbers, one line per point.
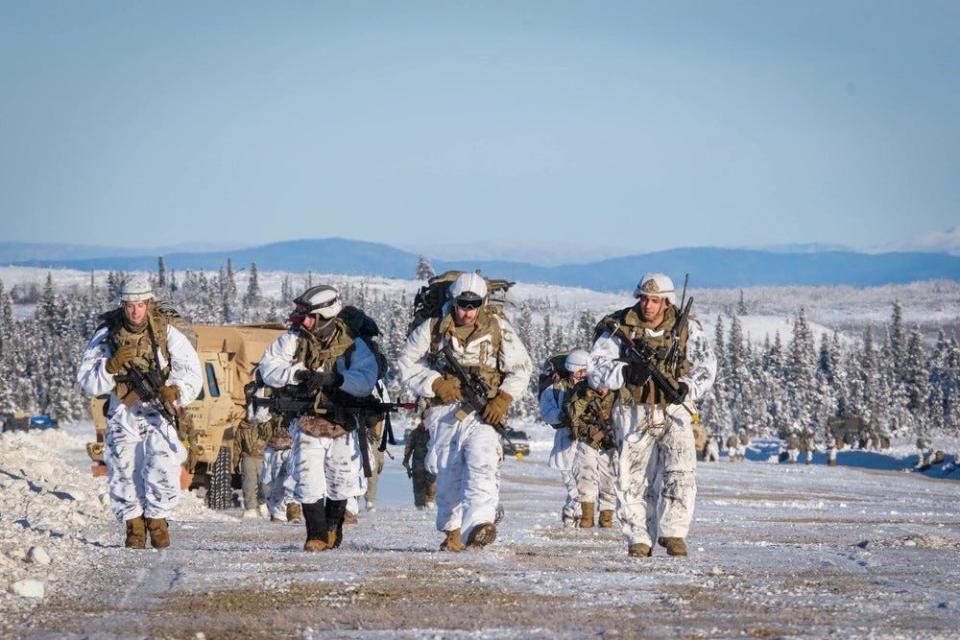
pixel 596 434
pixel 169 393
pixel 495 412
pixel 120 358
pixel 447 389
pixel 131 398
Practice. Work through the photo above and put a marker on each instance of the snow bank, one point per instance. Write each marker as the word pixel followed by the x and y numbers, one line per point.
pixel 55 516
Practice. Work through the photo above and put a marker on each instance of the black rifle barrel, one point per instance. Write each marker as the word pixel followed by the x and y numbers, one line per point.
pixel 473 388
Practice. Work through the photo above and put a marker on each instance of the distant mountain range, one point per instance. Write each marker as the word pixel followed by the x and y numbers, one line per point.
pixel 708 266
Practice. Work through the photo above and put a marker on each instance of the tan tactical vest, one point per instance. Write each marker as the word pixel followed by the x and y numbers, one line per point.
pixel 317 357
pixel 590 415
pixel 145 357
pixel 633 327
pixel 444 329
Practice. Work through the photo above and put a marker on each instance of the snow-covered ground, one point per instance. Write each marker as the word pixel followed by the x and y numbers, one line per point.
pixel 776 551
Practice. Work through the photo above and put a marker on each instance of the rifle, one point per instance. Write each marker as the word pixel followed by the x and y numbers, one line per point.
pixel 147 385
pixel 474 390
pixel 639 352
pixel 296 403
pixel 300 406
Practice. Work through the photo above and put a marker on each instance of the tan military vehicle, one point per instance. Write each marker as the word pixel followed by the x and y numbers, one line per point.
pixel 228 356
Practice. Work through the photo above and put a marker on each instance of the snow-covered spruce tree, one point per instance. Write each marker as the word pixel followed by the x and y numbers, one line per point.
pixel 424 269
pixel 715 409
pixel 898 344
pixel 251 299
pixel 735 378
pixel 937 416
pixel 800 374
pixel 586 324
pixel 914 375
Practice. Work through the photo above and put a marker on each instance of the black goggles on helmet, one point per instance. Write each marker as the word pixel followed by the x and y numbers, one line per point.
pixel 302 309
pixel 469 302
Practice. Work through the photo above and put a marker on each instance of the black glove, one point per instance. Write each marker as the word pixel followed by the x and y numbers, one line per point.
pixel 317 380
pixel 636 372
pixel 680 394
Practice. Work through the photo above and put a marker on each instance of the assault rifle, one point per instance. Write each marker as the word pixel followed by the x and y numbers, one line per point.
pixel 147 385
pixel 474 390
pixel 300 406
pixel 293 401
pixel 638 352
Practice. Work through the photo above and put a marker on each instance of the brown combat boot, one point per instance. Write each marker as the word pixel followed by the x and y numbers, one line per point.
pixel 136 533
pixel 452 543
pixel 315 545
pixel 586 515
pixel 639 550
pixel 350 518
pixel 482 535
pixel 159 534
pixel 606 518
pixel 293 512
pixel 674 546
pixel 334 538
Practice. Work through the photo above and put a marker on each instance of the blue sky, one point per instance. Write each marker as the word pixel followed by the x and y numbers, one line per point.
pixel 645 125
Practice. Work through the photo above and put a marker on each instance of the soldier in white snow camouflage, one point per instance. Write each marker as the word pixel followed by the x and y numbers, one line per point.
pixel 320 354
pixel 654 427
pixel 465 450
pixel 142 450
pixel 564 451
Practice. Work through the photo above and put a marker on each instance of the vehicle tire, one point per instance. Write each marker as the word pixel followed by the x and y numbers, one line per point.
pixel 220 492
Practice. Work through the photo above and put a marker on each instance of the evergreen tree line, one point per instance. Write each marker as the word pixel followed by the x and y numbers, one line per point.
pixel 888 376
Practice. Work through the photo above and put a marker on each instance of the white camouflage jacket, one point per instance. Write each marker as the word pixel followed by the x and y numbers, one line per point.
pixel 185 373
pixel 512 360
pixel 278 367
pixel 608 372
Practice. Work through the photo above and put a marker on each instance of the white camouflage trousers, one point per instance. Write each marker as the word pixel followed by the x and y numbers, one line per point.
pixel 596 472
pixel 465 455
pixel 655 444
pixel 562 456
pixel 143 456
pixel 326 467
pixel 277 477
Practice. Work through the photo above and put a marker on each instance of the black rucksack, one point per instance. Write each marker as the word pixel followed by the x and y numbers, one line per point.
pixel 552 371
pixel 431 297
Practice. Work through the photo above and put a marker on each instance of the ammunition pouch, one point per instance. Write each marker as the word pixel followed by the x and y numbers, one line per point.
pixel 280 442
pixel 248 438
pixel 320 427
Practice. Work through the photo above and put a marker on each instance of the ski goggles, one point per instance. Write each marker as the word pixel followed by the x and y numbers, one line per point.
pixel 469 303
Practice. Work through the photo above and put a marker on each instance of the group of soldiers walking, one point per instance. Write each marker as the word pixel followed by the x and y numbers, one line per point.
pixel 622 412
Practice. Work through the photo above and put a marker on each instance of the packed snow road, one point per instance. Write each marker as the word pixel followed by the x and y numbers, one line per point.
pixel 776 551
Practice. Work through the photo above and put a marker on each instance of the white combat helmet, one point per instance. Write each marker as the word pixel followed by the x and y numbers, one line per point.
pixel 656 285
pixel 469 286
pixel 576 360
pixel 322 300
pixel 136 288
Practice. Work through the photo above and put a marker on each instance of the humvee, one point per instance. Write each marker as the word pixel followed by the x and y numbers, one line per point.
pixel 228 356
